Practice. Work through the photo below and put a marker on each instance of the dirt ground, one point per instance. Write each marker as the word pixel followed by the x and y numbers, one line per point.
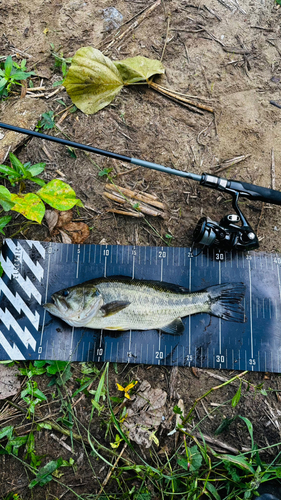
pixel 225 53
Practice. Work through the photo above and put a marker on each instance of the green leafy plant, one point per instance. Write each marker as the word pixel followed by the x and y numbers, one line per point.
pixel 13 442
pixel 56 193
pixel 47 121
pixel 11 73
pixel 93 80
pixel 58 371
pixel 44 475
pixel 19 172
pixel 32 396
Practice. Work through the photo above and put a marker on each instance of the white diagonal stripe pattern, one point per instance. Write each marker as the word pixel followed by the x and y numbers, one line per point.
pixel 27 285
pixel 13 352
pixel 37 269
pixel 24 335
pixel 20 305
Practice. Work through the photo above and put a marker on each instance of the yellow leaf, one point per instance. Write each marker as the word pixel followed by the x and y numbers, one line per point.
pixel 123 418
pixel 46 31
pixel 152 437
pixel 127 395
pixel 130 386
pixel 120 388
pixel 114 445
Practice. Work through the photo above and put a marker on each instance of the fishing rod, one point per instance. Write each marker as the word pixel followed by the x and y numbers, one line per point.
pixel 232 232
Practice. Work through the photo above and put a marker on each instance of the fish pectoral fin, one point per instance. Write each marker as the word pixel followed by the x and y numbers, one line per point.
pixel 174 328
pixel 113 307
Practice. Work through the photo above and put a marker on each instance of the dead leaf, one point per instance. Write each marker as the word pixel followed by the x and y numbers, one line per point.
pixel 64 218
pixel 78 231
pixel 64 237
pixel 145 414
pixel 9 382
pixel 195 371
pixel 52 217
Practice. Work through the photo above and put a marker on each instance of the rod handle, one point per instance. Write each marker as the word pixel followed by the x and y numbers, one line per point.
pixel 254 192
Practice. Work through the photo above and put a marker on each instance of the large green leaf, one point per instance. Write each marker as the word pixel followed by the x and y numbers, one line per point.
pixel 5 199
pixel 29 205
pixel 139 68
pixel 59 195
pixel 93 80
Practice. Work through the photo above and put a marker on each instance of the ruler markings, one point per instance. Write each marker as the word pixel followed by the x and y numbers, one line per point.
pixel 220 339
pixel 129 353
pixel 78 259
pixel 251 315
pixel 46 349
pixel 71 343
pixel 189 317
pixel 46 298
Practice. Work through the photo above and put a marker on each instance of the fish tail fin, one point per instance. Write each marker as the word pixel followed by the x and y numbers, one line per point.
pixel 225 301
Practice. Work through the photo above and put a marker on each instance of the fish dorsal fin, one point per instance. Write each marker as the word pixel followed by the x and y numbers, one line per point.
pixel 114 307
pixel 174 328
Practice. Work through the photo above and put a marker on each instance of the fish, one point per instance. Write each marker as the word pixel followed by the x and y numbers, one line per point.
pixel 121 303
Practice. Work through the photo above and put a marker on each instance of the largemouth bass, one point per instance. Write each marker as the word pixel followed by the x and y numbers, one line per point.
pixel 121 303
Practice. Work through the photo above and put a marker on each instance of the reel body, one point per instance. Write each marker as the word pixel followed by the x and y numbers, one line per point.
pixel 233 232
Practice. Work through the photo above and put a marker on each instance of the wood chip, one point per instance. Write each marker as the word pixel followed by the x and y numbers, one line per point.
pixel 124 212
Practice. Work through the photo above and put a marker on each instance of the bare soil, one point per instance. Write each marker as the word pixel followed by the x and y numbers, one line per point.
pixel 238 80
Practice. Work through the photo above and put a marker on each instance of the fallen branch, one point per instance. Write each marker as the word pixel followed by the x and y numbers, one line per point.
pixel 229 163
pixel 175 96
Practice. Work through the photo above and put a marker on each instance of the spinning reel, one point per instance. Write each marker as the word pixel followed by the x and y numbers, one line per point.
pixel 233 232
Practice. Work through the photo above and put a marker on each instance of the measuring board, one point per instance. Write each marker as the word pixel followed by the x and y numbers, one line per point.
pixel 33 271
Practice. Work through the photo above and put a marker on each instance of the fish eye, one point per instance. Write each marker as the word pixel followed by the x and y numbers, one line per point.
pixel 65 293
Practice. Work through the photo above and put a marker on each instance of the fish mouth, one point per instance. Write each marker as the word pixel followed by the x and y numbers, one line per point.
pixel 59 307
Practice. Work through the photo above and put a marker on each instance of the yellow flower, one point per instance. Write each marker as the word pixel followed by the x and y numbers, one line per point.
pixel 126 389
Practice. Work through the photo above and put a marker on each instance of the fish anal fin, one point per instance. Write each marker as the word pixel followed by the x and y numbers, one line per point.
pixel 176 327
pixel 114 307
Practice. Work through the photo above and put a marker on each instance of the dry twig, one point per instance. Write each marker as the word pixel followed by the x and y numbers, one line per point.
pixel 119 37
pixel 176 96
